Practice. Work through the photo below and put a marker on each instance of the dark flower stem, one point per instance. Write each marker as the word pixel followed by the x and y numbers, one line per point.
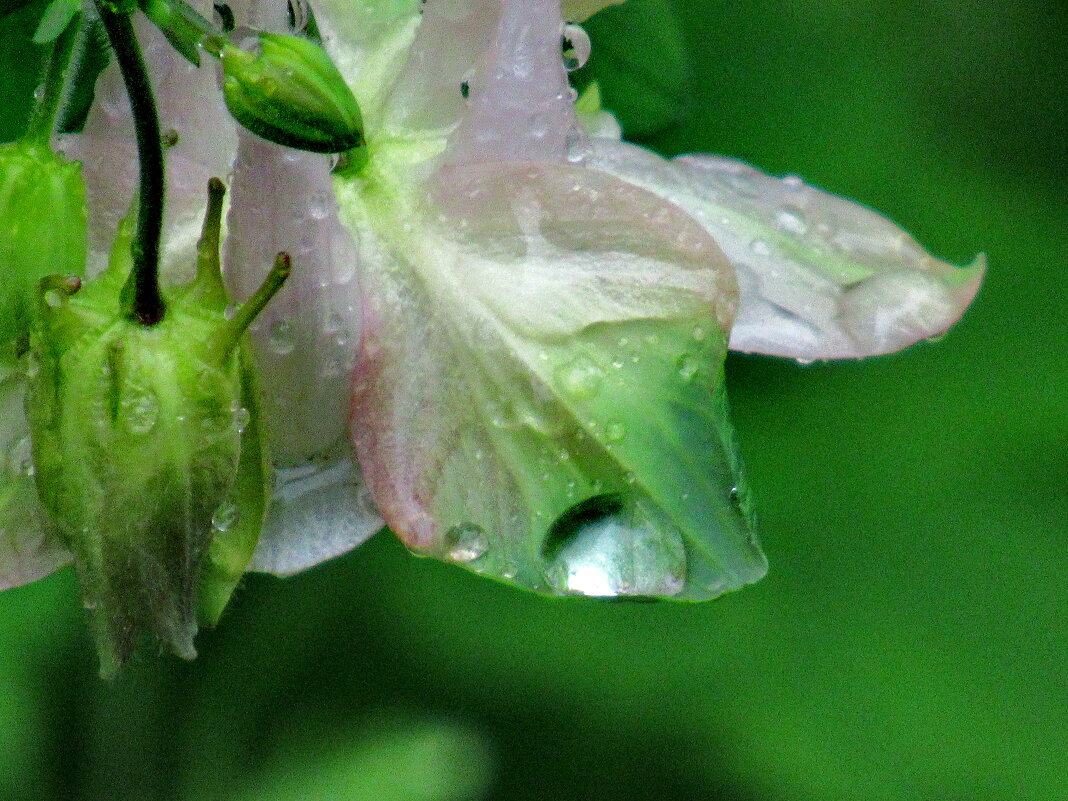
pixel 43 118
pixel 141 296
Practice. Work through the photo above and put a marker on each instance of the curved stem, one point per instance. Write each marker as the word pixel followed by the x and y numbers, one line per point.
pixel 141 295
pixel 43 117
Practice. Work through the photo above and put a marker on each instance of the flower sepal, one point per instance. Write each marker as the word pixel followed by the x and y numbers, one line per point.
pixel 137 438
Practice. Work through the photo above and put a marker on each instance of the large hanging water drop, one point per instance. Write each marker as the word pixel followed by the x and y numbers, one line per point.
pixel 602 548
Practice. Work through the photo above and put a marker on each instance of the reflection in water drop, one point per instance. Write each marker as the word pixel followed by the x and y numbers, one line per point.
pixel 242 417
pixel 602 549
pixel 280 339
pixel 580 378
pixel 465 542
pixel 225 516
pixel 688 367
pixel 140 412
pixel 576 47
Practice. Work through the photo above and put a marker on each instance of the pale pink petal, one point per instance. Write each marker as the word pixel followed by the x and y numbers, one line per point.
pixel 547 340
pixel 191 105
pixel 521 107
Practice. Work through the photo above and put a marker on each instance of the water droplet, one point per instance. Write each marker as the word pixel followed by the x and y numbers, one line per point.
pixel 280 338
pixel 319 205
pixel 580 378
pixel 793 181
pixel 576 47
pixel 39 91
pixel 465 542
pixel 760 247
pixel 242 417
pixel 615 431
pixel 54 298
pixel 791 222
pixel 139 412
pixel 20 458
pixel 577 145
pixel 226 516
pixel 601 548
pixel 688 367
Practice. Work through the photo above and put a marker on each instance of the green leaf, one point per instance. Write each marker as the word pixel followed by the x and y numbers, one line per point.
pixel 56 18
pixel 11 6
pixel 91 55
pixel 642 65
pixel 399 759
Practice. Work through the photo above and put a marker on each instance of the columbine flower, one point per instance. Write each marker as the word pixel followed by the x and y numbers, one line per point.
pixel 520 328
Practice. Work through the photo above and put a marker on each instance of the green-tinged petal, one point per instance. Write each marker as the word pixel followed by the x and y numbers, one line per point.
pixel 26 552
pixel 821 277
pixel 539 393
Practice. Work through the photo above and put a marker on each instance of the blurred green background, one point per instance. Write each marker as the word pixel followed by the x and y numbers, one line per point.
pixel 911 639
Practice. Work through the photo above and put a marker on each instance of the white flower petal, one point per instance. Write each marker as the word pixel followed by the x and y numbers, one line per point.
pixel 820 277
pixel 305 348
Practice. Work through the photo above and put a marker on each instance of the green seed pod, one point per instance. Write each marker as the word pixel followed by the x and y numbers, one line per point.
pixel 137 436
pixel 42 231
pixel 291 93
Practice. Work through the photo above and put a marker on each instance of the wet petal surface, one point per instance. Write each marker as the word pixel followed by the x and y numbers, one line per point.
pixel 821 277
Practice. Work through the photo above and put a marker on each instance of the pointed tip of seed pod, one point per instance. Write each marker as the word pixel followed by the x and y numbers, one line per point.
pixel 283 266
pixel 216 187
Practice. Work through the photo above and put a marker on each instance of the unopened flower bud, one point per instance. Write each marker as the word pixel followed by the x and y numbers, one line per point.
pixel 136 440
pixel 291 93
pixel 42 231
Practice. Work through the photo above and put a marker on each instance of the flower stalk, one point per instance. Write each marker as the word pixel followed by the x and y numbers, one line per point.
pixel 141 296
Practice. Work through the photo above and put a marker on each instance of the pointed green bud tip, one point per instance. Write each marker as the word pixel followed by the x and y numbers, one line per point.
pixel 42 231
pixel 290 92
pixel 137 436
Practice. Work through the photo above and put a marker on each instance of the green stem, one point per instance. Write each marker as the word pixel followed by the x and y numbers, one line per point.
pixel 46 109
pixel 141 295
